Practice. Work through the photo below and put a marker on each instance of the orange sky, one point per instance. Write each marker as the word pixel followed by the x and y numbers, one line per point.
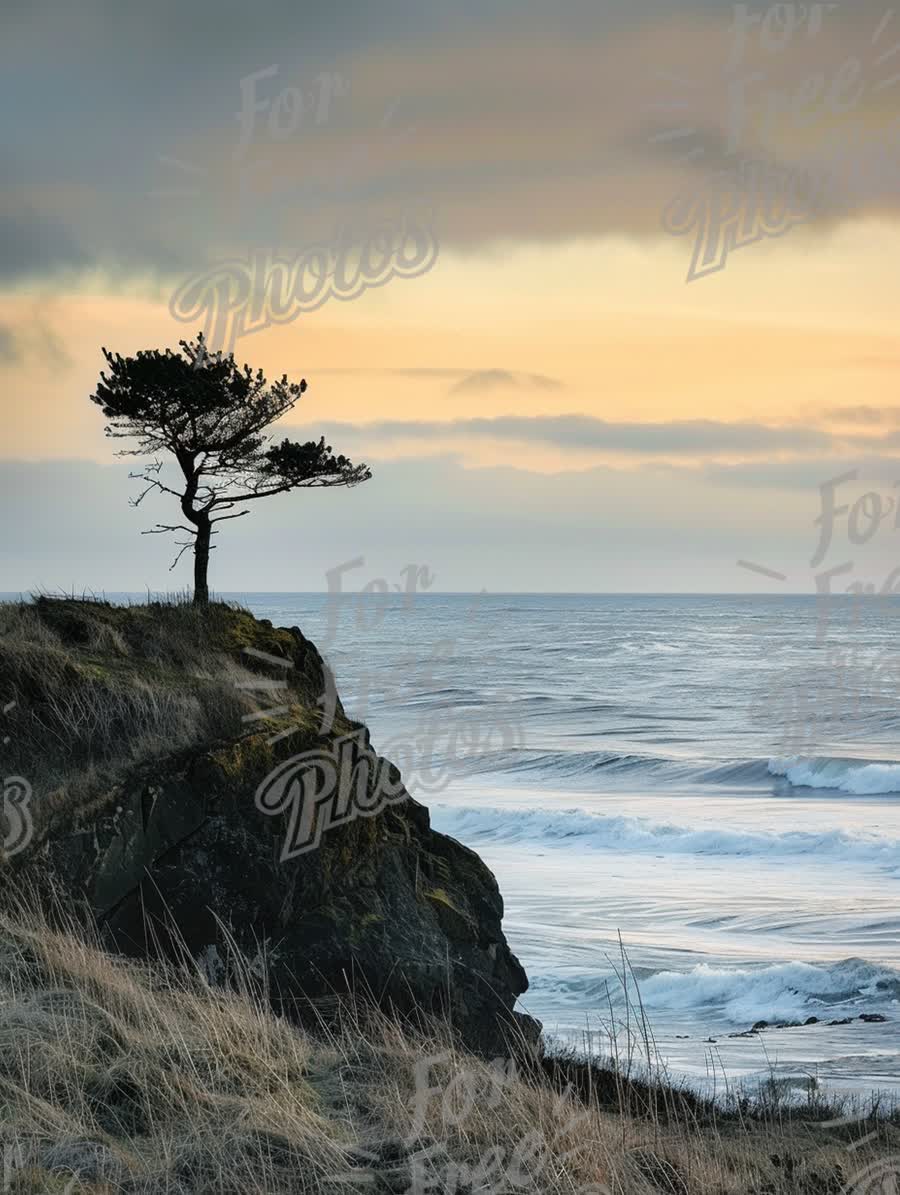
pixel 788 331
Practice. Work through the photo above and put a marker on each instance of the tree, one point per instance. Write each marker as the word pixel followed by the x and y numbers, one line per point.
pixel 211 416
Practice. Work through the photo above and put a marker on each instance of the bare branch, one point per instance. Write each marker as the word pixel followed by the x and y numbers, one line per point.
pixel 222 518
pixel 184 548
pixel 160 528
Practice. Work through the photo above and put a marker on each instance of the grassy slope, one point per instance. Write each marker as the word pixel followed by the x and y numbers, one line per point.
pixel 140 1079
pixel 99 688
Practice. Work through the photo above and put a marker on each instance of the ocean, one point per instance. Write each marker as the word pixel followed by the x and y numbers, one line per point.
pixel 691 804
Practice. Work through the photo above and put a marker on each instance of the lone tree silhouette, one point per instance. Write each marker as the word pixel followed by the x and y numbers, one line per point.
pixel 211 415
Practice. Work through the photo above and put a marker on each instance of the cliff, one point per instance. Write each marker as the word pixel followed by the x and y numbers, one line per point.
pixel 197 786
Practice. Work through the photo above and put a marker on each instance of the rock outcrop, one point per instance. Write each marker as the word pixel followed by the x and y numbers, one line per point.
pixel 287 836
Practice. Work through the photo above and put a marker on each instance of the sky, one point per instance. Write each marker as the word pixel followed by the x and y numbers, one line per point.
pixel 611 301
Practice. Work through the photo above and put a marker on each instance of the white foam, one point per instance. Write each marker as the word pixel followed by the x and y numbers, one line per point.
pixel 782 991
pixel 597 831
pixel 788 991
pixel 850 776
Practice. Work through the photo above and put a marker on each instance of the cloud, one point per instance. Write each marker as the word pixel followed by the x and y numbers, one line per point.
pixel 569 129
pixel 463 377
pixel 806 475
pixel 483 380
pixel 33 244
pixel 595 530
pixel 877 416
pixel 9 348
pixel 418 372
pixel 693 437
pixel 465 381
pixel 33 340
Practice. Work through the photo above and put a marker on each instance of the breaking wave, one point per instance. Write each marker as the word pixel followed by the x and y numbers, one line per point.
pixel 742 995
pixel 855 776
pixel 599 831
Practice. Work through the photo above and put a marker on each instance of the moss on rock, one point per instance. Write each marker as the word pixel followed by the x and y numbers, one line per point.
pixel 164 839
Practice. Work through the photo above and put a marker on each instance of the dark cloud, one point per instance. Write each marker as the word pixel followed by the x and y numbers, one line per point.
pixel 532 122
pixel 32 244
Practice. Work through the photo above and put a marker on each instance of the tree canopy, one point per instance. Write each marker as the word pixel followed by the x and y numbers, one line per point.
pixel 212 416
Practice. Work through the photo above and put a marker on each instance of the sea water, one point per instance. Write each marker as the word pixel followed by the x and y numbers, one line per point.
pixel 691 804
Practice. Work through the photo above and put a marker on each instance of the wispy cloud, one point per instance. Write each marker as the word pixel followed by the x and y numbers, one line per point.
pixel 464 380
pixel 481 381
pixel 863 415
pixel 33 340
pixel 9 348
pixel 801 475
pixel 576 433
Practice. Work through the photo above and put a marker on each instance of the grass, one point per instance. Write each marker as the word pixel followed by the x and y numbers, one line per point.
pixel 121 1077
pixel 90 690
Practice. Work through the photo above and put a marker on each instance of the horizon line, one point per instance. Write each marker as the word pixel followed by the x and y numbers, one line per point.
pixel 105 594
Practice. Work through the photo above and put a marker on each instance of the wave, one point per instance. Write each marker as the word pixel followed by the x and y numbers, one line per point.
pixel 855 776
pixel 742 995
pixel 513 825
pixel 788 991
pixel 585 765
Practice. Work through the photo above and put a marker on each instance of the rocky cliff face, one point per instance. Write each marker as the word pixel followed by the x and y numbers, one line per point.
pixel 287 835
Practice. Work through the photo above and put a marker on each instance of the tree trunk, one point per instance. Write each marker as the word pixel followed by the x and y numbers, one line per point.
pixel 201 563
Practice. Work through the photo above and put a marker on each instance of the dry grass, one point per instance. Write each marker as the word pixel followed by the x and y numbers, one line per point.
pixel 94 698
pixel 118 1077
pixel 90 690
pixel 128 1079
